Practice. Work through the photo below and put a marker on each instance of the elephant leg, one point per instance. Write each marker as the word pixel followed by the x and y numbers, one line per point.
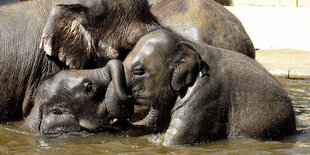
pixel 176 133
pixel 193 124
pixel 180 132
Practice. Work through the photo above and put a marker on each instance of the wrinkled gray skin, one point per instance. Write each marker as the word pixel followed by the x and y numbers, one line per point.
pixel 41 37
pixel 201 93
pixel 73 102
pixel 204 21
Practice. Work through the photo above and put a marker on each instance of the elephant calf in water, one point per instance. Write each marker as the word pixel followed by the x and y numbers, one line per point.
pixel 72 102
pixel 199 93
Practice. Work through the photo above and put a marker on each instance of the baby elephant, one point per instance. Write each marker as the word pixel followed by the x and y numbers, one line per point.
pixel 202 93
pixel 75 102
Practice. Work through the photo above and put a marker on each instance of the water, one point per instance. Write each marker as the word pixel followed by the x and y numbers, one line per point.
pixel 14 140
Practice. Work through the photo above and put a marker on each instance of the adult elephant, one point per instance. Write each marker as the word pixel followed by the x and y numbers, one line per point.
pixel 201 93
pixel 72 103
pixel 204 21
pixel 75 34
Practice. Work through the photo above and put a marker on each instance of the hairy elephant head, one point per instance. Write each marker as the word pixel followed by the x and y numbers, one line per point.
pixel 73 101
pixel 161 67
pixel 88 33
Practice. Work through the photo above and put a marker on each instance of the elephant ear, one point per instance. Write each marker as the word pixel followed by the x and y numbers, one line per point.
pixel 65 36
pixel 187 66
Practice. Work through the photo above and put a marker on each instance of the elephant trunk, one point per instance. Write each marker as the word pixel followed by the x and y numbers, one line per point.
pixel 114 72
pixel 115 106
pixel 116 102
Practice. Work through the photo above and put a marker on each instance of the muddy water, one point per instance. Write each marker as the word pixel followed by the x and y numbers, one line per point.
pixel 13 140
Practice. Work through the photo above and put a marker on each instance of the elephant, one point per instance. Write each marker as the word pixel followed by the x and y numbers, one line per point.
pixel 204 21
pixel 39 38
pixel 72 103
pixel 199 93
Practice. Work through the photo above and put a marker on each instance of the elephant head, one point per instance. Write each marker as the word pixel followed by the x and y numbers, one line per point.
pixel 88 33
pixel 161 67
pixel 72 101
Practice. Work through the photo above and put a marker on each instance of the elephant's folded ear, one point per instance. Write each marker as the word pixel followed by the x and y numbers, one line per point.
pixel 65 36
pixel 187 66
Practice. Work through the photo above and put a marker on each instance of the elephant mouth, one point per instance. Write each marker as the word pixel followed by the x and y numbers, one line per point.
pixel 114 126
pixel 68 126
pixel 81 133
pixel 141 100
pixel 60 134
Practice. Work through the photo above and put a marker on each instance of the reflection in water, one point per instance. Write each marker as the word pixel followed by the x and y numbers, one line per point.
pixel 14 140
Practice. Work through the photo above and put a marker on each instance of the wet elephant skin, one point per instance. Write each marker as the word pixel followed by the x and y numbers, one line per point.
pixel 72 103
pixel 204 21
pixel 39 38
pixel 200 93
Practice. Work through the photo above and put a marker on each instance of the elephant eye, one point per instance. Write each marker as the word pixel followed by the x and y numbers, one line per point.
pixel 56 111
pixel 88 87
pixel 139 71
